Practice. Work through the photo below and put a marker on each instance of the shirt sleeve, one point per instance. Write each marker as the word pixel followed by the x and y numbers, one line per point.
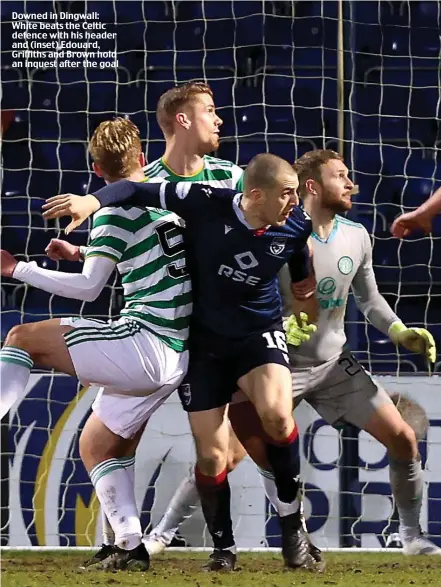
pixel 111 234
pixel 239 183
pixel 299 265
pixel 84 286
pixel 368 299
pixel 188 200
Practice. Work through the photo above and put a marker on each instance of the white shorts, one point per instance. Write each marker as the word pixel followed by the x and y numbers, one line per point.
pixel 135 370
pixel 125 414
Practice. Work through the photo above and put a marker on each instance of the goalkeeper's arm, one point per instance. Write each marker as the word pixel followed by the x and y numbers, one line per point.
pixel 375 308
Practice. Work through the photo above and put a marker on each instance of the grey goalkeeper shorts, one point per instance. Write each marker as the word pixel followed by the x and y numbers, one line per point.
pixel 340 390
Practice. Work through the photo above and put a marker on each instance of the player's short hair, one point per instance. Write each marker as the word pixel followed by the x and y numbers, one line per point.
pixel 115 147
pixel 264 170
pixel 174 99
pixel 309 166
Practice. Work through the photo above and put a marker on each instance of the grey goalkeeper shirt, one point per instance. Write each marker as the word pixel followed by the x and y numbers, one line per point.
pixel 341 262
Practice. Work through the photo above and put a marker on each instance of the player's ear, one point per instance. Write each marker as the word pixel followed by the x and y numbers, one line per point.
pixel 182 120
pixel 255 194
pixel 97 169
pixel 311 187
pixel 142 159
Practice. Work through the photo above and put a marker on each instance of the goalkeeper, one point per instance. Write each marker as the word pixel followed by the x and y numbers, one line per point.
pixel 327 375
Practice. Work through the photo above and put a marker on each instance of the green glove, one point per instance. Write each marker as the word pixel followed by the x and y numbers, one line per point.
pixel 298 331
pixel 416 340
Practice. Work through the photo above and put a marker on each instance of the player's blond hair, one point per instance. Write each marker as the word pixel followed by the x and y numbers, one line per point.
pixel 115 147
pixel 309 166
pixel 172 101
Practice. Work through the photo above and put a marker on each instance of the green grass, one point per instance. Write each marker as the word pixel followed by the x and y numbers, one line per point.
pixel 60 569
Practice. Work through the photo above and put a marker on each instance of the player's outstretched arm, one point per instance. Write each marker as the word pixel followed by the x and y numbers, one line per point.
pixel 375 308
pixel 58 250
pixel 186 199
pixel 79 208
pixel 419 219
pixel 84 286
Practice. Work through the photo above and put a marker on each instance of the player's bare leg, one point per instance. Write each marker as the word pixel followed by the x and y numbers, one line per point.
pixel 184 502
pixel 41 343
pixel 269 389
pixel 210 431
pixel 406 476
pixel 104 455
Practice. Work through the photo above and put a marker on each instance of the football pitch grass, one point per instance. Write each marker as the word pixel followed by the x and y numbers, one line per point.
pixel 60 569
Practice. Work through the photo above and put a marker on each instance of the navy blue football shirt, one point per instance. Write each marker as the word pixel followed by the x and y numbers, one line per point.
pixel 232 266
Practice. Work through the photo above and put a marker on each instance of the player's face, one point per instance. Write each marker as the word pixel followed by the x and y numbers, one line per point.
pixel 278 202
pixel 336 188
pixel 205 124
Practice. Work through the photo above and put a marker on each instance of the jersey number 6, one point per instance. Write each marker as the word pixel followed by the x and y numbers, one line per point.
pixel 171 239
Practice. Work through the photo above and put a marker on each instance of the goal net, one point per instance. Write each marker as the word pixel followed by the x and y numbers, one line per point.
pixel 274 69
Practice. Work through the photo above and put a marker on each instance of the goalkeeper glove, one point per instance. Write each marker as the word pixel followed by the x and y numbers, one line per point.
pixel 298 331
pixel 416 340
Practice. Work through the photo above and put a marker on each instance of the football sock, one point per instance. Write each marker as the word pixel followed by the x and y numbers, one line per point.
pixel 15 368
pixel 108 534
pixel 181 507
pixel 283 509
pixel 284 459
pixel 406 479
pixel 116 495
pixel 215 496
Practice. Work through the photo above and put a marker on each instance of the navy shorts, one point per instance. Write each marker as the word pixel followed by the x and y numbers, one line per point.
pixel 216 364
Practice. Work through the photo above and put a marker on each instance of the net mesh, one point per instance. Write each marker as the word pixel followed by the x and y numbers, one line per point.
pixel 273 69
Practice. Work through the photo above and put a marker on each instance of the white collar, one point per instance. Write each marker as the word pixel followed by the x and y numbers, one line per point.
pixel 236 207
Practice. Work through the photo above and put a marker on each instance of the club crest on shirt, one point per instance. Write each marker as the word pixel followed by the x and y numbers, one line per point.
pixel 277 245
pixel 345 265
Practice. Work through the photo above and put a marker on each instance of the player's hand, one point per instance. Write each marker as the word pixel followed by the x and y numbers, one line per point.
pixel 8 263
pixel 298 330
pixel 405 224
pixel 79 208
pixel 415 340
pixel 58 249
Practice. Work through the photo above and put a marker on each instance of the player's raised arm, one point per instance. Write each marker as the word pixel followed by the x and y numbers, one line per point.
pixel 419 219
pixel 84 286
pixel 375 308
pixel 184 198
